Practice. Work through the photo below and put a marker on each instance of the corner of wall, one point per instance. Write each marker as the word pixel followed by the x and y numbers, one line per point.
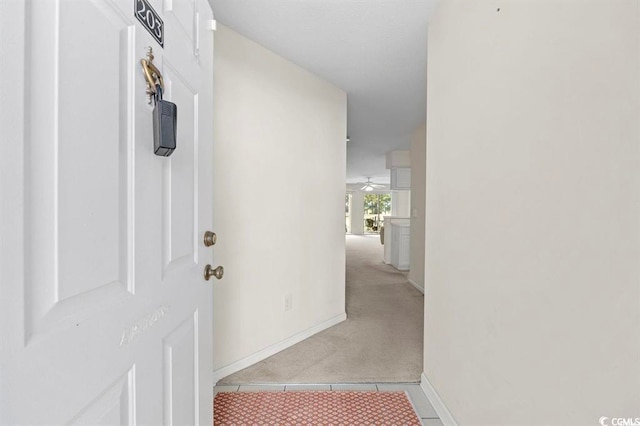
pixel 417 213
pixel 444 414
pixel 275 348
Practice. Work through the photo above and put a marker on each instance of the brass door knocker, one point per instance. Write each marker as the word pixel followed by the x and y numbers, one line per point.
pixel 152 75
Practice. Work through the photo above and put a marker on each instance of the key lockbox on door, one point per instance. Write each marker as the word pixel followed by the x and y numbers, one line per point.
pixel 165 116
pixel 165 113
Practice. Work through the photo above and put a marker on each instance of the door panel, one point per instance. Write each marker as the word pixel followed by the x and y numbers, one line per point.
pixel 180 373
pixel 114 406
pixel 62 214
pixel 106 318
pixel 98 207
pixel 180 176
pixel 183 12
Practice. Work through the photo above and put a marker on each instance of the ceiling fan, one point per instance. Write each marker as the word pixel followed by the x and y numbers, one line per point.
pixel 370 186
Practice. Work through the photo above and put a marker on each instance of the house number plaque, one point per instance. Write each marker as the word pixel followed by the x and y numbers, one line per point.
pixel 150 19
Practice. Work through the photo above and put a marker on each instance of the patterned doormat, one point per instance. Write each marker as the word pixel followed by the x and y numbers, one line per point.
pixel 313 408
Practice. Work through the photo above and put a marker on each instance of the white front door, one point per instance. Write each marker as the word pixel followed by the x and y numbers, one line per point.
pixel 105 317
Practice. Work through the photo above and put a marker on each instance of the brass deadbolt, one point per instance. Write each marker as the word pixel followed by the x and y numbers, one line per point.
pixel 210 238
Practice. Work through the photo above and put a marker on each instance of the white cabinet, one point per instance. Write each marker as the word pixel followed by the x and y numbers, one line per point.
pixel 397 237
pixel 400 178
pixel 401 237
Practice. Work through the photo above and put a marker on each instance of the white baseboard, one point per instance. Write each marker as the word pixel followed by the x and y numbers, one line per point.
pixel 274 349
pixel 443 412
pixel 413 283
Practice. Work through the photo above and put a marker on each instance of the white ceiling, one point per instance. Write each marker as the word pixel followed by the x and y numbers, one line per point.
pixel 375 50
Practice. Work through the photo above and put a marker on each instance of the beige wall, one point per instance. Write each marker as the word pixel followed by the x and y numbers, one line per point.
pixel 418 182
pixel 279 169
pixel 533 211
pixel 357 212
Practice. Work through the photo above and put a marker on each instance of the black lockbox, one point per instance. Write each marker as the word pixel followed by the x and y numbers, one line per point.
pixel 165 115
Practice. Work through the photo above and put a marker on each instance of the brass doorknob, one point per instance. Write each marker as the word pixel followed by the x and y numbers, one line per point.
pixel 209 272
pixel 210 238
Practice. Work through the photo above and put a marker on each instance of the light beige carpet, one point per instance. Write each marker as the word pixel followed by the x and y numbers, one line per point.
pixel 381 340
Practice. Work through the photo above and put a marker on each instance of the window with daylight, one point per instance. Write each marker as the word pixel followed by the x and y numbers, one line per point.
pixel 375 207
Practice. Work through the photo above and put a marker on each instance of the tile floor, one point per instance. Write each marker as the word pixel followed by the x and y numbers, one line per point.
pixel 421 404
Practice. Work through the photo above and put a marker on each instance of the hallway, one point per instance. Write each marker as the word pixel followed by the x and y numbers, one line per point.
pixel 381 340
